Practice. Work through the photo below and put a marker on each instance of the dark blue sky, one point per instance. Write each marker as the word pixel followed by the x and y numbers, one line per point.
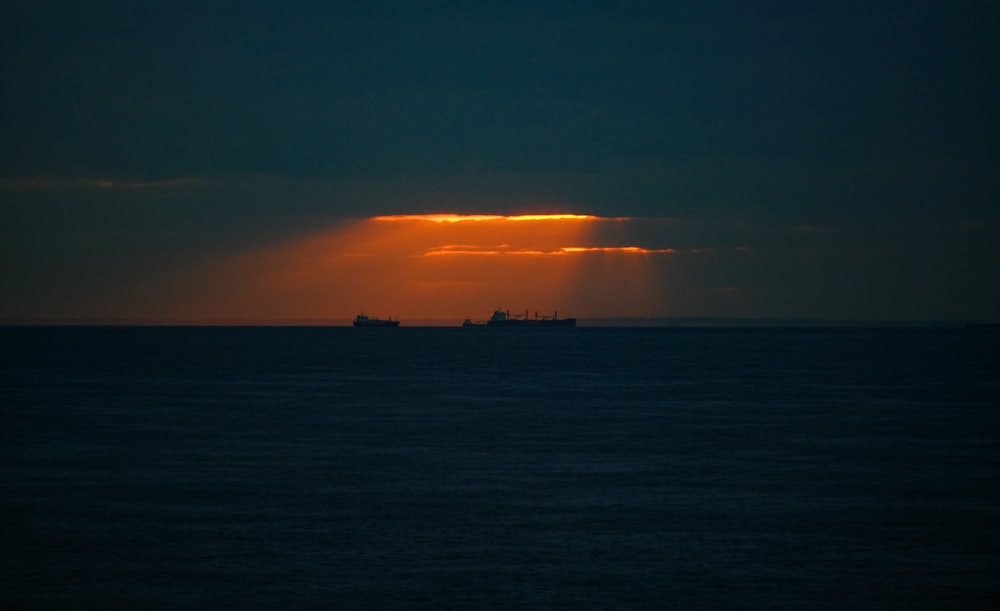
pixel 852 145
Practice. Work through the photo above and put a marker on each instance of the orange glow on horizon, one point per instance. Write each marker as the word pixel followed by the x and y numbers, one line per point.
pixel 441 267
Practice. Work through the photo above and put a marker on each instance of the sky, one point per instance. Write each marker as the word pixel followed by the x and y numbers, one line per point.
pixel 272 162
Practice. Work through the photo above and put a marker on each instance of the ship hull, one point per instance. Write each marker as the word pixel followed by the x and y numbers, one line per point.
pixel 367 321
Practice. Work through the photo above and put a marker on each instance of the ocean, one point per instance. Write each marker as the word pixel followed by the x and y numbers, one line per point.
pixel 449 468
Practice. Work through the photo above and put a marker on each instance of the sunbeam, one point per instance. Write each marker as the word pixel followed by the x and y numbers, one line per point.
pixel 435 268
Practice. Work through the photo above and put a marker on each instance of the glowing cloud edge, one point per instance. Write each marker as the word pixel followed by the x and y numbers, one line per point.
pixel 461 218
pixel 562 250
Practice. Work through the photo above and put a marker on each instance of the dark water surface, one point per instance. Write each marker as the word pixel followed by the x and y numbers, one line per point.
pixel 440 468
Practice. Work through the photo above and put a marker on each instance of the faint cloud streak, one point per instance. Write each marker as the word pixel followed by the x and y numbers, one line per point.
pixel 41 183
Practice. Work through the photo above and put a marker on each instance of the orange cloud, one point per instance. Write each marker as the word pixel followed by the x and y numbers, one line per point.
pixel 504 249
pixel 459 218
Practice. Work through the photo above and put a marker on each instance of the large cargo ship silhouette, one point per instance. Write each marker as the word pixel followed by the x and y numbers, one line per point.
pixel 366 321
pixel 502 318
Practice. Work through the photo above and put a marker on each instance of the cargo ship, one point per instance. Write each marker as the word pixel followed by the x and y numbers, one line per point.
pixel 503 318
pixel 365 321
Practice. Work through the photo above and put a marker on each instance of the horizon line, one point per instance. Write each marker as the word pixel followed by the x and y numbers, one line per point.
pixel 591 321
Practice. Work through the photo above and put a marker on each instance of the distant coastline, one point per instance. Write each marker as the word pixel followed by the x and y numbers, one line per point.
pixel 762 322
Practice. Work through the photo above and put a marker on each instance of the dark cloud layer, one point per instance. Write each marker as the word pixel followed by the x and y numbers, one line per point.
pixel 138 137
